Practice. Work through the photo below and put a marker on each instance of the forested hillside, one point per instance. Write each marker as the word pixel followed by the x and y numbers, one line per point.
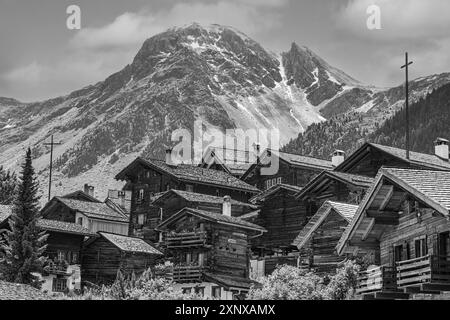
pixel 429 119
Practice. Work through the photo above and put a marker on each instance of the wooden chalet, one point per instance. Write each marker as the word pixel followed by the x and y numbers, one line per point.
pixel 291 169
pixel 233 161
pixel 64 244
pixel 283 216
pixel 403 222
pixel 61 272
pixel 210 251
pixel 318 239
pixel 147 178
pixel 370 157
pixel 92 214
pixel 104 256
pixel 334 186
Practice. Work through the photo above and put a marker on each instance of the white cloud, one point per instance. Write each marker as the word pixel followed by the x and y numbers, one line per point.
pixel 94 53
pixel 400 19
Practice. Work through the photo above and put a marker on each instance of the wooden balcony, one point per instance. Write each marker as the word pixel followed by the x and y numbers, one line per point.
pixel 184 240
pixel 378 279
pixel 182 274
pixel 429 269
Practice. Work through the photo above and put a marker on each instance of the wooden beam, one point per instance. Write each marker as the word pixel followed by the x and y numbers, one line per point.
pixel 387 197
pixel 368 229
pixel 365 244
pixel 381 214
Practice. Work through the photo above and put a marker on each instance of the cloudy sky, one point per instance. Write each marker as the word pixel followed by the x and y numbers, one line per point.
pixel 40 58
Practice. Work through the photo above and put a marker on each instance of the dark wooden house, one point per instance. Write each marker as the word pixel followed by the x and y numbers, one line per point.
pixel 210 251
pixel 370 157
pixel 104 256
pixel 403 222
pixel 318 239
pixel 283 216
pixel 146 178
pixel 275 167
pixel 233 161
pixel 93 215
pixel 334 186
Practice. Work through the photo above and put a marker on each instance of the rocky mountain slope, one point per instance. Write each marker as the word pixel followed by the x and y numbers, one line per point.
pixel 213 73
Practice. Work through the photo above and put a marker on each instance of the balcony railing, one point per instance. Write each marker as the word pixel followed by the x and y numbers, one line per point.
pixel 185 239
pixel 380 278
pixel 426 269
pixel 187 273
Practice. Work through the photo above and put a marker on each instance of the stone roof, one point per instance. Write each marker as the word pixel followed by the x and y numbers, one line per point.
pixel 15 291
pixel 215 217
pixel 346 210
pixel 434 185
pixel 354 179
pixel 203 198
pixel 63 227
pixel 129 244
pixel 429 160
pixel 194 174
pixel 273 189
pixel 5 212
pixel 99 210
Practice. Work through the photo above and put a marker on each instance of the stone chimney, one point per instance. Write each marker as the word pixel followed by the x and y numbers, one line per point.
pixel 89 189
pixel 226 206
pixel 121 197
pixel 169 160
pixel 337 157
pixel 441 148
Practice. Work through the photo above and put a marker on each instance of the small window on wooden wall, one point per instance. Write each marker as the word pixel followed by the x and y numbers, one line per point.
pixel 189 188
pixel 421 247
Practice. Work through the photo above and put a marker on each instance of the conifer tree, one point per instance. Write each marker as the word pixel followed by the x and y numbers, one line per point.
pixel 24 243
pixel 8 184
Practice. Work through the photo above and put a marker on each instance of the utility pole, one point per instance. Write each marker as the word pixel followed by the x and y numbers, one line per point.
pixel 405 66
pixel 51 144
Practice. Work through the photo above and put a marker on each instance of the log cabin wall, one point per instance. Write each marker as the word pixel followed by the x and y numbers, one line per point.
pixel 230 254
pixel 283 216
pixel 65 242
pixel 60 212
pixel 321 254
pixel 101 260
pixel 411 228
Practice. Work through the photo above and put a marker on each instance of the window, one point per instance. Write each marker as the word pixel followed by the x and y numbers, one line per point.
pixel 61 255
pixel 189 188
pixel 216 292
pixel 420 246
pixel 80 221
pixel 279 180
pixel 141 194
pixel 140 220
pixel 200 291
pixel 398 253
pixel 74 258
pixel 186 290
pixel 59 284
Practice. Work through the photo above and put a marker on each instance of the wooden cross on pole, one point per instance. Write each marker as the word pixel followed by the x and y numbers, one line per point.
pixel 51 144
pixel 405 66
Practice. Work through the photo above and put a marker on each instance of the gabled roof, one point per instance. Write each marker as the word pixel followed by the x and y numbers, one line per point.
pixel 213 217
pixel 326 177
pixel 199 197
pixel 5 212
pixel 345 210
pixel 63 227
pixel 428 161
pixel 233 161
pixel 431 187
pixel 129 244
pixel 273 190
pixel 95 210
pixel 229 282
pixel 193 174
pixel 295 160
pixel 80 194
